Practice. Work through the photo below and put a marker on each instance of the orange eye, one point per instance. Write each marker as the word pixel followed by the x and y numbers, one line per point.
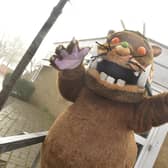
pixel 115 40
pixel 141 51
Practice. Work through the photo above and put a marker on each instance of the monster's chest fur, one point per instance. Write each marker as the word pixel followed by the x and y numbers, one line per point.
pixel 95 128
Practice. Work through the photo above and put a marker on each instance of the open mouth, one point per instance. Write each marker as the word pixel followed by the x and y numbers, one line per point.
pixel 114 74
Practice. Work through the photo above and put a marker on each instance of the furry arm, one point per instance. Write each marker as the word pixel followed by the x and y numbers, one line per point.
pixel 70 82
pixel 152 111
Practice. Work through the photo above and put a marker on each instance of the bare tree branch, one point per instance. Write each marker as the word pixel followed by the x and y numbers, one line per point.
pixel 31 51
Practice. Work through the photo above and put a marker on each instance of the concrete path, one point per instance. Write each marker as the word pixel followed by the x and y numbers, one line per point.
pixel 17 117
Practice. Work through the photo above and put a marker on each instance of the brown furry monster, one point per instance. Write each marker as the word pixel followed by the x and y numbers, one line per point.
pixel 110 104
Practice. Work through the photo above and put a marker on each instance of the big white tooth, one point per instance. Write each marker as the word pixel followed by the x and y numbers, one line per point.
pixel 103 76
pixel 136 73
pixel 110 79
pixel 144 76
pixel 99 59
pixel 93 64
pixel 120 82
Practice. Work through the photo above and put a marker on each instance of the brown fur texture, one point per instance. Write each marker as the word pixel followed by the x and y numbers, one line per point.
pixel 96 132
pixel 129 93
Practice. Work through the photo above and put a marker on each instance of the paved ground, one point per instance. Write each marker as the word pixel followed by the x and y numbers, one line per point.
pixel 16 117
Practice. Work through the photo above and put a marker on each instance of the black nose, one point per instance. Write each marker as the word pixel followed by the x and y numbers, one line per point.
pixel 116 71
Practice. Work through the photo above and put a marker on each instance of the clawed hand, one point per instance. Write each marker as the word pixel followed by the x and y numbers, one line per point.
pixel 70 57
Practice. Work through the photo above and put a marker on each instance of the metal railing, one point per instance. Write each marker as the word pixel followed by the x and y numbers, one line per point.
pixel 19 141
pixel 11 143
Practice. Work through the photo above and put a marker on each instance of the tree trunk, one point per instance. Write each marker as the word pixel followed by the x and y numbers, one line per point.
pixel 31 51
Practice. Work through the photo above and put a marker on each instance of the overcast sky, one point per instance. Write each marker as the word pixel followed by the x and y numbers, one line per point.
pixel 84 18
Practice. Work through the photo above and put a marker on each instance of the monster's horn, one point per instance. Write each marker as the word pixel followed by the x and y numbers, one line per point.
pixel 123 25
pixel 144 29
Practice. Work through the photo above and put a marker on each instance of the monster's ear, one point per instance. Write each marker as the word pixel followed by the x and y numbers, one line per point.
pixel 109 34
pixel 156 50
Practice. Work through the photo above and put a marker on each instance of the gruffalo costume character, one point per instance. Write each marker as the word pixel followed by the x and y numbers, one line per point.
pixel 110 103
